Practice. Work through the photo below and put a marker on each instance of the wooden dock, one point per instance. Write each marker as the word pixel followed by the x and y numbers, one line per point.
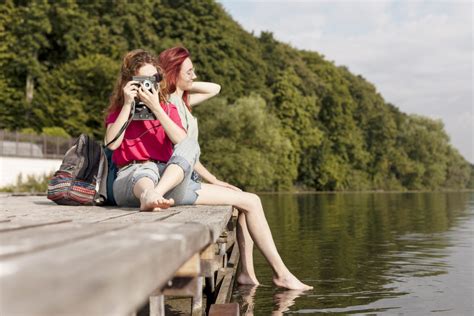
pixel 87 260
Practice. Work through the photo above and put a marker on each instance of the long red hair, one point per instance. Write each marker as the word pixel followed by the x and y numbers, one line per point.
pixel 132 62
pixel 170 61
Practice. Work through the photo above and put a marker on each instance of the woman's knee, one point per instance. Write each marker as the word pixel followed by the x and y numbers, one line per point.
pixel 189 149
pixel 252 203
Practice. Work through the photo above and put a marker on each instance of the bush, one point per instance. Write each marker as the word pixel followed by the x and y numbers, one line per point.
pixel 32 184
pixel 244 144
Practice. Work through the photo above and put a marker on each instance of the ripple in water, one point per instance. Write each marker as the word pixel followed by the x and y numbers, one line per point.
pixel 396 254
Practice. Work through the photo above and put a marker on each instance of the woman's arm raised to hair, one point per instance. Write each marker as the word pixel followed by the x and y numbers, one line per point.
pixel 201 91
pixel 114 128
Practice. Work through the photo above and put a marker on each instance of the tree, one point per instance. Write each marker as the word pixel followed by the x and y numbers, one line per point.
pixel 243 144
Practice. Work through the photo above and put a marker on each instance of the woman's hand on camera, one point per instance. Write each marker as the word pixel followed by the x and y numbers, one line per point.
pixel 151 99
pixel 130 92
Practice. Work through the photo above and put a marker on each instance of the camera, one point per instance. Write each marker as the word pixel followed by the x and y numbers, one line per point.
pixel 142 112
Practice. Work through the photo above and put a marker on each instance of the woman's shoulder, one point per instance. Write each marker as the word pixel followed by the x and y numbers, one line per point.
pixel 175 99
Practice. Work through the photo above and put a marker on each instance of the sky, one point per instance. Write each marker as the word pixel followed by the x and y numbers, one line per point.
pixel 418 54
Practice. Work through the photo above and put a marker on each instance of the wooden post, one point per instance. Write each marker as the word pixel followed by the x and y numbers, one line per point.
pixel 196 307
pixel 157 304
pixel 208 253
pixel 192 267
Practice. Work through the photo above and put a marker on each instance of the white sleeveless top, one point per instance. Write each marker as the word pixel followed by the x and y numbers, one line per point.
pixel 188 121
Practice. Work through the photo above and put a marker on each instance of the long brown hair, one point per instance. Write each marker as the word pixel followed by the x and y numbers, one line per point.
pixel 132 62
pixel 170 61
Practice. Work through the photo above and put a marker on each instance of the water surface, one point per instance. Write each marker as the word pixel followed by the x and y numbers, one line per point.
pixel 374 253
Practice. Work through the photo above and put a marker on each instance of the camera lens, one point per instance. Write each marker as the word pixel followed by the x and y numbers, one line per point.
pixel 147 84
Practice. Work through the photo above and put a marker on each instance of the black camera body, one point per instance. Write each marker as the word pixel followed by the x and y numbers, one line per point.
pixel 142 112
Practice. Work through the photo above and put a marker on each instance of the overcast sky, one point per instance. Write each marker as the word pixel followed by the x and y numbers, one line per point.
pixel 419 54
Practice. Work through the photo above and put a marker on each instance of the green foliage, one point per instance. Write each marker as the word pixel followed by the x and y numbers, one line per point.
pixel 244 144
pixel 33 184
pixel 286 117
pixel 55 131
pixel 77 103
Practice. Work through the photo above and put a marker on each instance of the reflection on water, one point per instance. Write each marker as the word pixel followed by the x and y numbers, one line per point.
pixel 408 253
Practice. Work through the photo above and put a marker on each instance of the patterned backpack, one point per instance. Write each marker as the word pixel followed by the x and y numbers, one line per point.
pixel 85 176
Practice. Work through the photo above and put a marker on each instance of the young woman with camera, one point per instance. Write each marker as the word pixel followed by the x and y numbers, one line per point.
pixel 150 167
pixel 252 225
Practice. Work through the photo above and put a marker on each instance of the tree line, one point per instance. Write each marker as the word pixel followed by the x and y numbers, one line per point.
pixel 285 117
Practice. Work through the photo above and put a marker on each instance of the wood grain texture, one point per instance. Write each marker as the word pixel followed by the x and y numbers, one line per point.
pixel 38 238
pixel 214 217
pixel 109 274
pixel 86 260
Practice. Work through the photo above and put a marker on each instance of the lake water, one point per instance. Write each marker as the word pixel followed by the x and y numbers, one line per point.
pixel 377 253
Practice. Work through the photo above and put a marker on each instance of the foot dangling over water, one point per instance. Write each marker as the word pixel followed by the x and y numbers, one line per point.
pixel 289 281
pixel 152 201
pixel 245 279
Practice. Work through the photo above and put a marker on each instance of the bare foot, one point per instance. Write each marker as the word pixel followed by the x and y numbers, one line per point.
pixel 152 201
pixel 289 281
pixel 244 278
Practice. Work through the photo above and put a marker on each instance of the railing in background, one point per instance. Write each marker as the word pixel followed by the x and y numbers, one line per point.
pixel 33 146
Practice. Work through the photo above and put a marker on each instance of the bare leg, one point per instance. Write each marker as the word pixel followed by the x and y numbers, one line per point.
pixel 257 227
pixel 151 198
pixel 172 176
pixel 245 242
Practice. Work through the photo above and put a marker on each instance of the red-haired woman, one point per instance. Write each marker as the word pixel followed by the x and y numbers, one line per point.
pixel 152 172
pixel 252 225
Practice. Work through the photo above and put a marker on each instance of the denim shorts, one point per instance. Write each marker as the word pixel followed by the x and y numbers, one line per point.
pixel 185 155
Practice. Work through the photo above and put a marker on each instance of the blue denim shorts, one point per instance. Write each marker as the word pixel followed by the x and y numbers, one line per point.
pixel 129 175
pixel 185 155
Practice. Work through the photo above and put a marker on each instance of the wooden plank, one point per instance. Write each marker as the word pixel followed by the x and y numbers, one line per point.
pixel 209 253
pixel 42 237
pixel 210 266
pixel 190 268
pixel 83 214
pixel 182 286
pixel 225 290
pixel 229 309
pixel 144 217
pixel 157 305
pixel 24 224
pixel 187 286
pixel 38 208
pixel 196 304
pixel 234 258
pixel 214 217
pixel 110 274
pixel 225 287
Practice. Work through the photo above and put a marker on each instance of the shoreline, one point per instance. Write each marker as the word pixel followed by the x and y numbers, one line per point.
pixel 364 192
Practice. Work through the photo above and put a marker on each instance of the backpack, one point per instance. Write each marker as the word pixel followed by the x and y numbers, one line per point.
pixel 87 172
pixel 86 175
